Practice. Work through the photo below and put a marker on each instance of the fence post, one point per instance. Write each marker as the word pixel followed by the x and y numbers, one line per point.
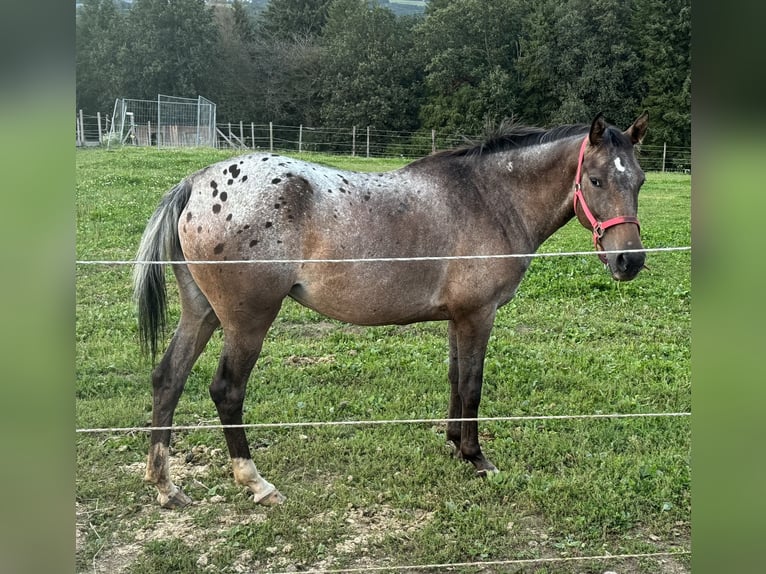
pixel 252 134
pixel 98 120
pixel 433 141
pixel 300 138
pixel 664 151
pixel 368 141
pixel 241 133
pixel 353 141
pixel 271 137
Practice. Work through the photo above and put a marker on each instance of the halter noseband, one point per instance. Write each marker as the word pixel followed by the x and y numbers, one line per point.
pixel 598 226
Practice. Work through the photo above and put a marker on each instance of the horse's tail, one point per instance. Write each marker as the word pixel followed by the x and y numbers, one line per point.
pixel 159 243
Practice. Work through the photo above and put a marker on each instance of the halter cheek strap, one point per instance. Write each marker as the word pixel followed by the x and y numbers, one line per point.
pixel 599 227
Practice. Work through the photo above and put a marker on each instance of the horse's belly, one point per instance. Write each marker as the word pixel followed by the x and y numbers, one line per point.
pixel 362 297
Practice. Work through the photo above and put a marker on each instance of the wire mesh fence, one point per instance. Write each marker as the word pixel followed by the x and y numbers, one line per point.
pixel 178 122
pixel 168 121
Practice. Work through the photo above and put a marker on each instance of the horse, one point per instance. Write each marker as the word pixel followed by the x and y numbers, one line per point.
pixel 419 243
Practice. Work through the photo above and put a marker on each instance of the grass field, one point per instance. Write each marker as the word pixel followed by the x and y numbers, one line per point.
pixel 572 342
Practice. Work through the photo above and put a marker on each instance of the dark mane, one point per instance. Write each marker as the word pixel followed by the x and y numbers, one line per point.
pixel 511 134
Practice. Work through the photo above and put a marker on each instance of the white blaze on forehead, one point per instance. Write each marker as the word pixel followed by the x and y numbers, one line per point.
pixel 618 164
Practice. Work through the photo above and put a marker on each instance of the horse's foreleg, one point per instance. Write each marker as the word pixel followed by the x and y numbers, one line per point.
pixel 455 403
pixel 168 380
pixel 227 390
pixel 472 334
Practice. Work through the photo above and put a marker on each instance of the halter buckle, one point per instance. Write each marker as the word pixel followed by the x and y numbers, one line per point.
pixel 598 230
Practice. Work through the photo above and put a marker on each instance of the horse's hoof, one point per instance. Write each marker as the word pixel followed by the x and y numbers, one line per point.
pixel 484 472
pixel 484 468
pixel 177 500
pixel 273 498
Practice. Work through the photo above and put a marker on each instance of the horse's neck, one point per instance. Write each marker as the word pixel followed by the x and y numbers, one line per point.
pixel 536 186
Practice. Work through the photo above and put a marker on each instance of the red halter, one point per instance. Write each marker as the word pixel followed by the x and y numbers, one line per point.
pixel 598 226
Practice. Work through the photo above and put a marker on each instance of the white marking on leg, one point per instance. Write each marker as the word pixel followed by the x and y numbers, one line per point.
pixel 158 474
pixel 618 164
pixel 246 474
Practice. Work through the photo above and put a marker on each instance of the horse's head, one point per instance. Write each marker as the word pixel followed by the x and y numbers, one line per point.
pixel 606 194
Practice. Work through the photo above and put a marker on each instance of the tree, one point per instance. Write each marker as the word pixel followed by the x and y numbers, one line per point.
pixel 469 48
pixel 577 58
pixel 171 49
pixel 291 19
pixel 368 74
pixel 99 42
pixel 665 31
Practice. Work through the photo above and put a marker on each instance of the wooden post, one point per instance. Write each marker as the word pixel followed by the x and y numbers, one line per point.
pixel 98 120
pixel 300 138
pixel 433 141
pixel 252 134
pixel 271 137
pixel 241 133
pixel 148 133
pixel 353 141
pixel 664 151
pixel 368 141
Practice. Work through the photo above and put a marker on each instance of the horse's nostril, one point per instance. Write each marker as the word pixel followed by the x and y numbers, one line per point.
pixel 621 263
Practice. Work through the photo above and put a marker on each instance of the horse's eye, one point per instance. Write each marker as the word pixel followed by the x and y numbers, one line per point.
pixel 595 181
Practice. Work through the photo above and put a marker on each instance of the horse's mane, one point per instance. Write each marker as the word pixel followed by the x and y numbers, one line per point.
pixel 512 134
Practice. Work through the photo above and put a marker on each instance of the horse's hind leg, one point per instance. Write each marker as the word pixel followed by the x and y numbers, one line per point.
pixel 196 325
pixel 241 348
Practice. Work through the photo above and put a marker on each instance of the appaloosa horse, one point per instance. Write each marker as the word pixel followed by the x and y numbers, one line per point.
pixel 505 195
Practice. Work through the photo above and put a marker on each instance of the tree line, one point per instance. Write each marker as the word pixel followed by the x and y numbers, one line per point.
pixel 459 66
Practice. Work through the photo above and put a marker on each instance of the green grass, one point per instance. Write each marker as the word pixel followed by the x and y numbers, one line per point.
pixel 572 342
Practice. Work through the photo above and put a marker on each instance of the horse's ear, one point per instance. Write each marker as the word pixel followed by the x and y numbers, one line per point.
pixel 597 129
pixel 637 131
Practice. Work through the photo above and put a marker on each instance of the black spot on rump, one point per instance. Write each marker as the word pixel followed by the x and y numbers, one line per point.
pixel 188 215
pixel 199 229
pixel 276 180
pixel 234 169
pixel 253 243
pixel 367 197
pixel 264 159
pixel 213 184
pixel 244 178
pixel 269 224
pixel 215 192
pixel 277 205
pixel 229 182
pixel 217 208
pixel 247 226
pixel 218 248
pixel 224 196
pixel 228 217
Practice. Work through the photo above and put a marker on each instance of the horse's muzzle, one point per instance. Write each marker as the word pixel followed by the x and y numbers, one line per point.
pixel 625 266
